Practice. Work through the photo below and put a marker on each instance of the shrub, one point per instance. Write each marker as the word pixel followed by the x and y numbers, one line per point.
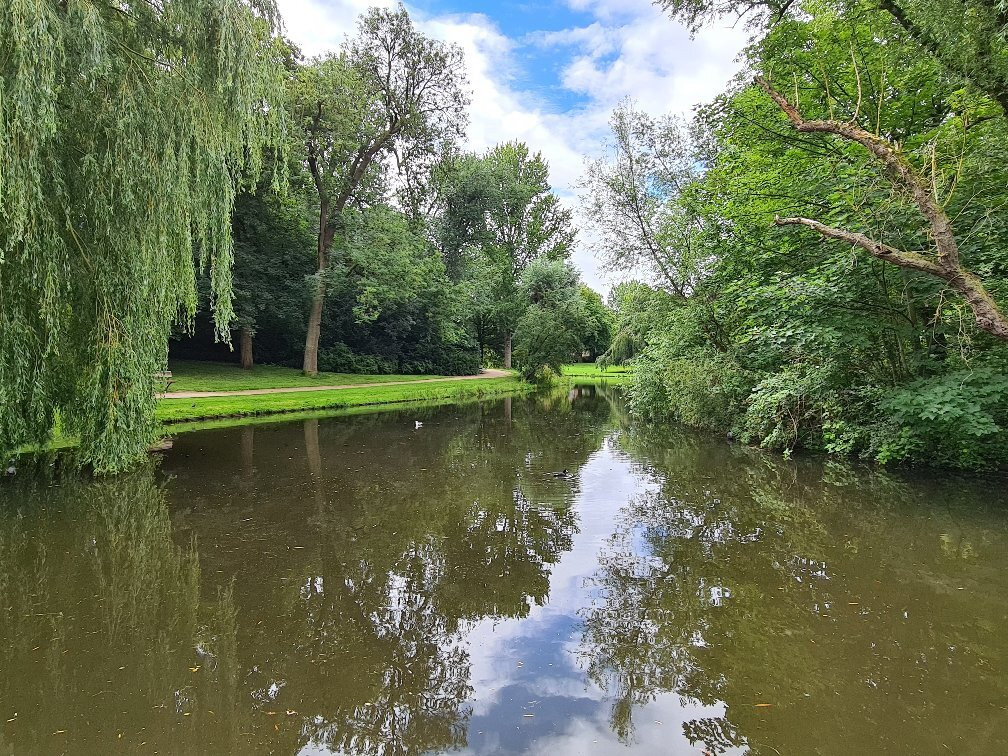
pixel 957 419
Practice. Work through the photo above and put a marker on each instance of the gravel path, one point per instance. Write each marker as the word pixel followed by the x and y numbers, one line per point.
pixel 298 389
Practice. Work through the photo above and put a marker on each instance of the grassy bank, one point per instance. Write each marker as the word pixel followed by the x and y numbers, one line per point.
pixel 591 371
pixel 172 411
pixel 189 375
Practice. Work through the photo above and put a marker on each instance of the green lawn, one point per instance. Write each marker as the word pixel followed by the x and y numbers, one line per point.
pixel 181 410
pixel 223 376
pixel 591 370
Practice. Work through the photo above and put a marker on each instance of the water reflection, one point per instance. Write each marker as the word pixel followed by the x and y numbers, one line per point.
pixel 392 534
pixel 431 581
pixel 104 643
pixel 830 612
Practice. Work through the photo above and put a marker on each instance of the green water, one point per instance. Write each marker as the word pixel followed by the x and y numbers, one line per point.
pixel 362 585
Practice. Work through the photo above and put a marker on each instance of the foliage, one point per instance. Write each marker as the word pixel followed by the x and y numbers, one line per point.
pixel 547 335
pixel 390 91
pixel 499 216
pixel 273 242
pixel 596 334
pixel 123 134
pixel 787 341
pixel 958 419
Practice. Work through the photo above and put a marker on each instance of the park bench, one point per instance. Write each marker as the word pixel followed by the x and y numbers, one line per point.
pixel 166 376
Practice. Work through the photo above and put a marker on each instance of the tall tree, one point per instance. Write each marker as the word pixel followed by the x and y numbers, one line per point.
pixel 123 131
pixel 550 330
pixel 967 38
pixel 634 199
pixel 524 221
pixel 390 91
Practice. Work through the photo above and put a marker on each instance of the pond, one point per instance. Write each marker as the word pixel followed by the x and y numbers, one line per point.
pixel 534 575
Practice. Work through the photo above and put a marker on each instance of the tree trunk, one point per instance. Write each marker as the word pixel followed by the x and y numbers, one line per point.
pixel 325 235
pixel 246 348
pixel 310 366
pixel 507 410
pixel 507 353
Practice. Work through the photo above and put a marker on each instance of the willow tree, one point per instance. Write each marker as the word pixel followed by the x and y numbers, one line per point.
pixel 123 130
pixel 390 92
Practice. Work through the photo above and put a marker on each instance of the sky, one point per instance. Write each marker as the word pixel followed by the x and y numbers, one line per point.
pixel 550 73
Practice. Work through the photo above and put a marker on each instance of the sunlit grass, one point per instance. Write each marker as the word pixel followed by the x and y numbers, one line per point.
pixel 180 410
pixel 188 375
pixel 591 370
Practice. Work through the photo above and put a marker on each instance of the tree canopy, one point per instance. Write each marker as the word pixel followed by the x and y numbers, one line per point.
pixel 837 237
pixel 124 132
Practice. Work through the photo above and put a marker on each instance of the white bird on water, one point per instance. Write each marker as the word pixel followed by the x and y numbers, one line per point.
pixel 419 425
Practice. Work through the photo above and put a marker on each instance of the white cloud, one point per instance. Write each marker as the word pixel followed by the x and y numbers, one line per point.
pixel 628 50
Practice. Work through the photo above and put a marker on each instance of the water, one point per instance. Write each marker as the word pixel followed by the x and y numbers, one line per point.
pixel 362 585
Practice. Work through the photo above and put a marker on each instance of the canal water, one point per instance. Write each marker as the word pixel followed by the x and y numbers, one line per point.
pixel 535 575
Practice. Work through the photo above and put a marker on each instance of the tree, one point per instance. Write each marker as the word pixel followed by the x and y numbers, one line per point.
pixel 548 334
pixel 273 243
pixel 123 132
pixel 524 222
pixel 967 38
pixel 945 262
pixel 597 327
pixel 634 199
pixel 390 91
pixel 826 345
pixel 392 302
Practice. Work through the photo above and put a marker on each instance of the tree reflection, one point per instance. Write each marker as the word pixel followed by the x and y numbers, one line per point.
pixel 341 565
pixel 437 527
pixel 826 609
pixel 104 642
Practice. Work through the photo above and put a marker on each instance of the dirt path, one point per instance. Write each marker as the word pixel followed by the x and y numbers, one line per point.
pixel 298 389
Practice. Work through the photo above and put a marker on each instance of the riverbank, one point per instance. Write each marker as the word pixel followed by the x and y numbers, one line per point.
pixel 202 391
pixel 211 393
pixel 177 410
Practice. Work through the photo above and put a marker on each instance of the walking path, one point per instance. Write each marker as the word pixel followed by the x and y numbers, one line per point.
pixel 298 389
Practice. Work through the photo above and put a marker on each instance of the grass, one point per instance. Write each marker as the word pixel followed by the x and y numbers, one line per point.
pixel 188 375
pixel 182 415
pixel 591 370
pixel 186 426
pixel 179 415
pixel 170 411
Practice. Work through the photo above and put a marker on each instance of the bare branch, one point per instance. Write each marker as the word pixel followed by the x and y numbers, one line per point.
pixel 945 264
pixel 912 260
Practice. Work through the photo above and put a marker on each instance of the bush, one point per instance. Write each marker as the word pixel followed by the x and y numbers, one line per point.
pixel 340 359
pixel 703 391
pixel 957 419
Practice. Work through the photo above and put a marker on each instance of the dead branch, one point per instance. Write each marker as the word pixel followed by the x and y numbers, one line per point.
pixel 945 262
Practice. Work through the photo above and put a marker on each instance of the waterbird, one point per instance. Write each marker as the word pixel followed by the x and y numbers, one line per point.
pixel 562 474
pixel 418 425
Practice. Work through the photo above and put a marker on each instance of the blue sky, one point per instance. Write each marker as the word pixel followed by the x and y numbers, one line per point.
pixel 550 73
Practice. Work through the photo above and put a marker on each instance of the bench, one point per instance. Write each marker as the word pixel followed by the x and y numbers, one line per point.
pixel 166 376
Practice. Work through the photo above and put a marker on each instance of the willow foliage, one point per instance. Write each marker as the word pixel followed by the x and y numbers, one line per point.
pixel 124 128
